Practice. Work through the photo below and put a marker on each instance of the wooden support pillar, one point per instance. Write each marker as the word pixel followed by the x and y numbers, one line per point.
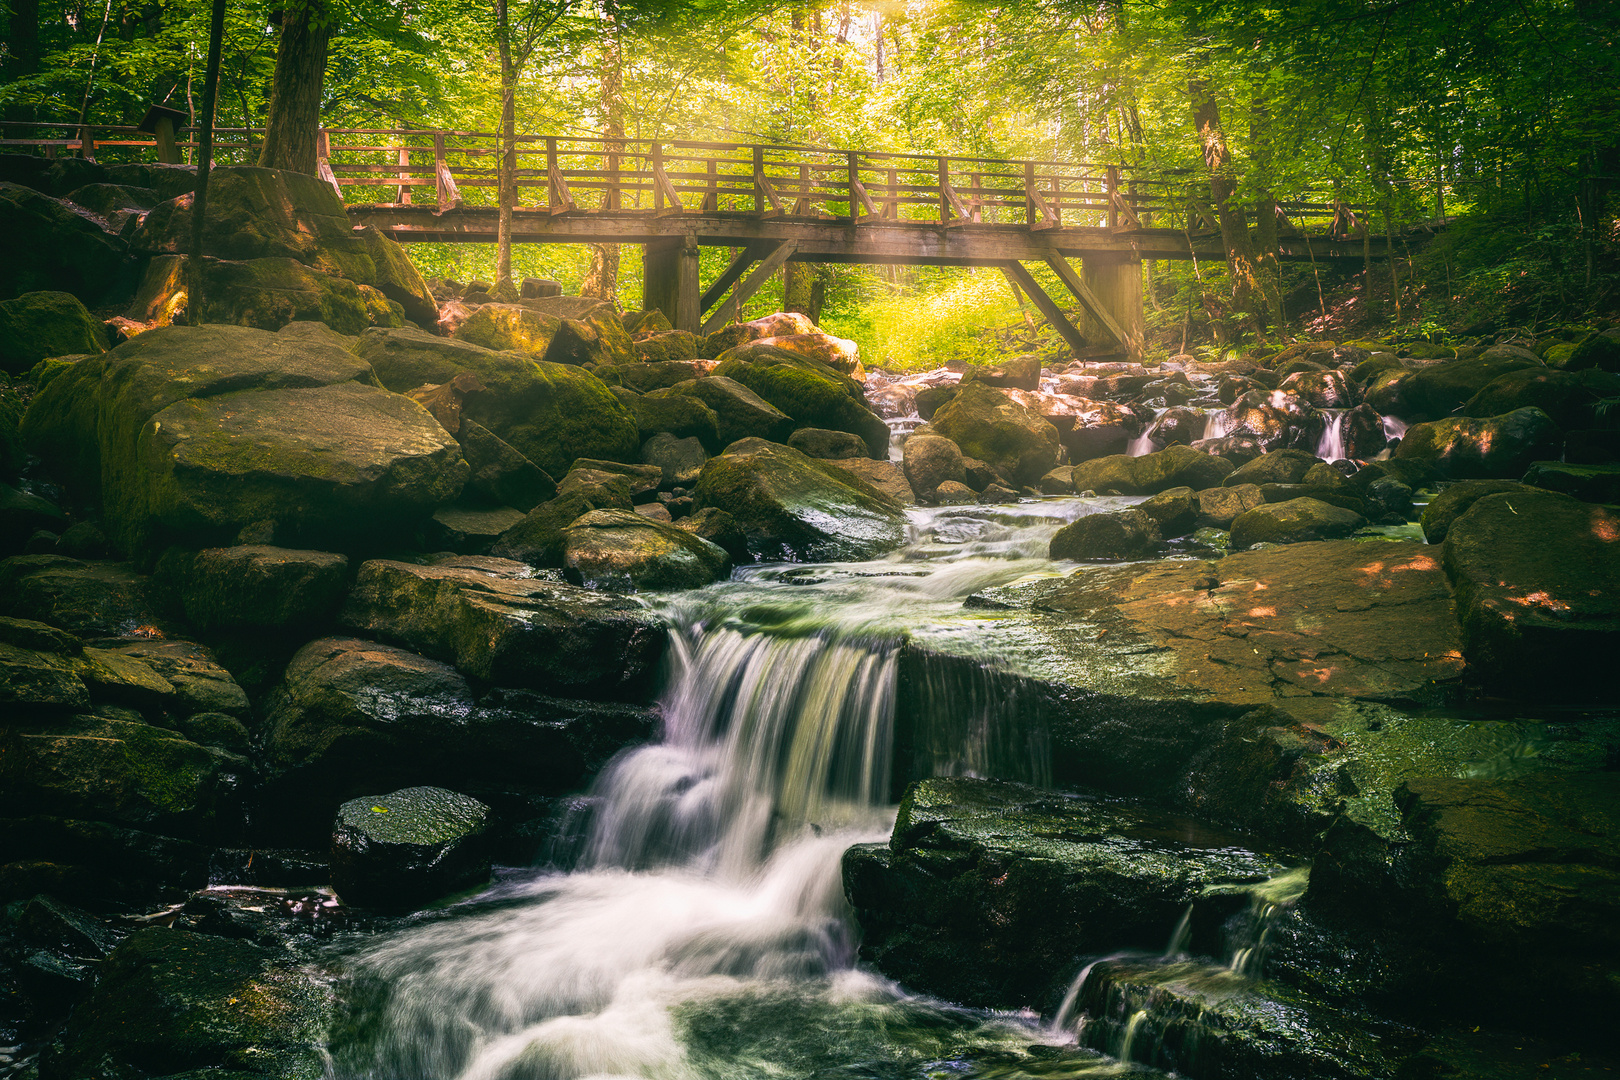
pixel 749 285
pixel 670 280
pixel 168 153
pixel 1117 285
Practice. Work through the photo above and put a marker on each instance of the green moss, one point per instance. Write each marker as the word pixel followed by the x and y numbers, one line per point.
pixel 39 325
pixel 510 326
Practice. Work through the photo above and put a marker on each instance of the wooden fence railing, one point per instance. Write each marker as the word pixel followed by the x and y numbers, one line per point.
pixel 570 174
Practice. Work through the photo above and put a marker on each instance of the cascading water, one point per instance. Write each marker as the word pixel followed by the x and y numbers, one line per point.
pixel 1217 424
pixel 1330 447
pixel 1143 443
pixel 705 933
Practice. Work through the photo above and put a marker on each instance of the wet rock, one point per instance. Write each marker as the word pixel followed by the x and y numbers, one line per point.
pixel 887 477
pixel 1059 481
pixel 407 848
pixel 66 249
pixel 171 1001
pixel 810 393
pixel 500 625
pixel 538 539
pixel 930 399
pixel 22 514
pixel 1223 505
pixel 986 424
pixel 38 325
pixel 798 508
pixel 719 528
pixel 510 327
pixel 1455 501
pixel 1123 534
pixel 1537 580
pixel 549 413
pixel 195 680
pixel 1174 510
pixel 89 599
pixel 499 473
pixel 1238 449
pixel 838 353
pixel 39 675
pixel 679 460
pixel 640 481
pixel 255 587
pixel 931 460
pixel 779 324
pixel 1277 467
pixel 1388 501
pixel 989 892
pixel 1590 483
pixel 1363 431
pixel 1498 446
pixel 49 923
pixel 997 495
pixel 1320 389
pixel 1184 426
pixel 1014 373
pixel 627 552
pixel 61 421
pixel 831 445
pixel 951 493
pixel 739 412
pixel 1175 466
pixel 1292 522
pixel 1600 350
pixel 1269 416
pixel 469 530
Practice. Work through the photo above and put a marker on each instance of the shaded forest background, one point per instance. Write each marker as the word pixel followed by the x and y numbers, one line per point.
pixel 1483 136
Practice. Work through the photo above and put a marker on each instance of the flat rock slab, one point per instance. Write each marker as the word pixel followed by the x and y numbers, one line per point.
pixel 502 625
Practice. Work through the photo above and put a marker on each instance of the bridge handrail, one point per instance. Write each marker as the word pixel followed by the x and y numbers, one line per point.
pixel 596 174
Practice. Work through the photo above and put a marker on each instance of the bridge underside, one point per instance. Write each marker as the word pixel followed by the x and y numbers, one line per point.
pixel 1106 287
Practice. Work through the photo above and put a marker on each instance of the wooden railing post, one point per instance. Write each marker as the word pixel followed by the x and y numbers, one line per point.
pixel 1112 180
pixel 891 208
pixel 449 196
pixel 944 185
pixel 87 143
pixel 711 201
pixel 404 176
pixel 759 179
pixel 559 199
pixel 323 160
pixel 657 159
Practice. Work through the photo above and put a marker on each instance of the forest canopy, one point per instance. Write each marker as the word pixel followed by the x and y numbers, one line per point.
pixel 1499 116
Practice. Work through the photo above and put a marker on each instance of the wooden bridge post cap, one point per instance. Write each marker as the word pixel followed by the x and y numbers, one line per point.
pixel 149 123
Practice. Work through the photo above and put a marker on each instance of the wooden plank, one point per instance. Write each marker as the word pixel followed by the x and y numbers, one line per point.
pixel 728 277
pixel 1082 292
pixel 1048 307
pixel 749 285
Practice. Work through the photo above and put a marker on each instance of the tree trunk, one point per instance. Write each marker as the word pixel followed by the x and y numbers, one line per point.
pixel 506 181
pixel 1240 256
pixel 602 279
pixel 295 88
pixel 797 284
pixel 205 160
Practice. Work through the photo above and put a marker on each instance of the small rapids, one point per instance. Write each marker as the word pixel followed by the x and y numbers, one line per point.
pixel 704 933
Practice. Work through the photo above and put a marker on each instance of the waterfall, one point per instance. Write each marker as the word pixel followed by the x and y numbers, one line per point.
pixel 1143 443
pixel 1330 447
pixel 1217 424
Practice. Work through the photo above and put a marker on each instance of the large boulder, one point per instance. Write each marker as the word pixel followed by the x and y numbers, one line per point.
pixel 607 337
pixel 739 412
pixel 1123 534
pixel 809 392
pixel 94 600
pixel 679 461
pixel 661 375
pixel 990 426
pixel 1277 467
pixel 625 551
pixel 667 412
pixel 510 327
pixel 988 891
pixel 838 353
pixel 549 413
pixel 1467 447
pixel 1598 350
pixel 267 294
pixel 38 325
pixel 57 246
pixel 499 474
pixel 1568 397
pixel 1590 483
pixel 1013 373
pixel 1456 500
pixel 1292 522
pixel 929 461
pixel 1437 390
pixel 176 1003
pixel 778 324
pixel 255 587
pixel 203 430
pixel 405 849
pixel 798 508
pixel 1537 580
pixel 1149 474
pixel 499 624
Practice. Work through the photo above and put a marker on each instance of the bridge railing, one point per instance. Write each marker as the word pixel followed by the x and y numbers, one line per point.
pixel 573 174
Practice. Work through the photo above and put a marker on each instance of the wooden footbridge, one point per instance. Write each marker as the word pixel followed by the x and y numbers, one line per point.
pixel 770 204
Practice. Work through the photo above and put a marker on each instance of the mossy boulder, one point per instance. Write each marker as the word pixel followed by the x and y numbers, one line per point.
pixel 668 345
pixel 988 425
pixel 204 430
pixel 1465 447
pixel 270 293
pixel 171 1001
pixel 838 353
pixel 1293 522
pixel 679 461
pixel 667 412
pixel 1537 581
pixel 255 587
pixel 39 325
pixel 1600 350
pixel 1123 534
pixel 808 391
pixel 1277 467
pixel 929 461
pixel 407 848
pixel 61 422
pixel 612 341
pixel 256 213
pixel 1568 397
pixel 500 474
pixel 550 413
pixel 739 412
pixel 798 508
pixel 779 323
pixel 398 279
pixel 660 375
pixel 625 551
pixel 832 445
pixel 90 599
pixel 500 623
pixel 1436 390
pixel 56 248
pixel 1589 483
pixel 513 327
pixel 1455 501
pixel 1149 474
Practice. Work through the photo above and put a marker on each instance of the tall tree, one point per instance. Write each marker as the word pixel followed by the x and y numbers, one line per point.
pixel 294 122
pixel 602 276
pixel 1234 224
pixel 516 39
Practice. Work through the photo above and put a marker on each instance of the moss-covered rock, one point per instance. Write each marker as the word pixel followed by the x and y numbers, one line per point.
pixel 500 474
pixel 1599 350
pixel 988 425
pixel 683 416
pixel 1293 521
pixel 502 625
pixel 397 278
pixel 779 323
pixel 1589 483
pixel 798 508
pixel 929 461
pixel 39 325
pixel 1456 499
pixel 627 552
pixel 1149 474
pixel 549 413
pixel 256 213
pixel 679 461
pixel 838 353
pixel 808 391
pixel 1223 505
pixel 255 587
pixel 660 375
pixel 1466 447
pixel 270 293
pixel 1123 534
pixel 538 539
pixel 611 344
pixel 404 849
pixel 57 248
pixel 512 327
pixel 1013 373
pixel 1436 390
pixel 1537 580
pixel 832 445
pixel 668 345
pixel 169 1001
pixel 739 412
pixel 1568 397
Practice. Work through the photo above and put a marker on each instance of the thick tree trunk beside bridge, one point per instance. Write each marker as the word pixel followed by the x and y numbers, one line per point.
pixel 295 89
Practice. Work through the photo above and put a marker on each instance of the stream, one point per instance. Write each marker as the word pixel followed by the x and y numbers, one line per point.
pixel 703 931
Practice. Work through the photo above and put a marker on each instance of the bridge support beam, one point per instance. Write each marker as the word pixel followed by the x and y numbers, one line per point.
pixel 1117 285
pixel 670 280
